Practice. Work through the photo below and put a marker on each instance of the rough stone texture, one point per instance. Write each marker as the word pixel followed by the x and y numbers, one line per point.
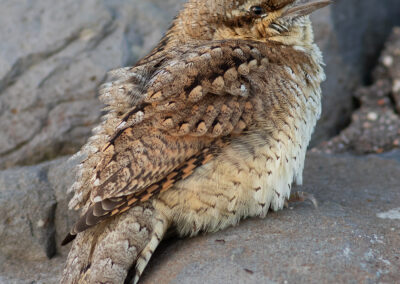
pixel 389 68
pixel 351 34
pixel 353 237
pixel 33 203
pixel 375 127
pixel 34 220
pixel 58 52
pixel 55 56
pixel 38 272
pixel 27 206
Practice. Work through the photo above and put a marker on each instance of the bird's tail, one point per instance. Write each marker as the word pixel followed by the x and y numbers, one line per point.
pixel 118 250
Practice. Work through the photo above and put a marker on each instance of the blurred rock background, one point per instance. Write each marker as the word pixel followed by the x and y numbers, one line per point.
pixel 55 54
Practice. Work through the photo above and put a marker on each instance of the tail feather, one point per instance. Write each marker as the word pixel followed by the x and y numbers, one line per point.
pixel 159 230
pixel 107 252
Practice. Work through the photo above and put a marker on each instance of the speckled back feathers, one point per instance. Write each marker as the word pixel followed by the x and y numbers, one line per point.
pixel 210 127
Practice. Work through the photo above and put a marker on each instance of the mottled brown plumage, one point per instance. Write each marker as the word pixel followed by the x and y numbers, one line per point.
pixel 211 127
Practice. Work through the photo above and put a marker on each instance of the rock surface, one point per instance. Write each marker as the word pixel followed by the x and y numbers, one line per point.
pixel 354 235
pixel 57 53
pixel 375 127
pixel 27 207
pixel 33 203
pixel 35 219
pixel 351 35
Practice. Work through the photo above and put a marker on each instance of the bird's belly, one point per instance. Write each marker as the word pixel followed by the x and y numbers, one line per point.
pixel 246 179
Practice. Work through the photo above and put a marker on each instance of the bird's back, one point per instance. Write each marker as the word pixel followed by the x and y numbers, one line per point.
pixel 197 136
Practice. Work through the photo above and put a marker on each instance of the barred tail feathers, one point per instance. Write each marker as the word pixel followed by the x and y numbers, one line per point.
pixel 117 250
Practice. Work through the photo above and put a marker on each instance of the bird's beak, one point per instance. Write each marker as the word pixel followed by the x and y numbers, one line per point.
pixel 305 8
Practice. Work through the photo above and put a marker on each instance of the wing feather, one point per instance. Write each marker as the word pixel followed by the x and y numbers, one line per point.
pixel 165 116
pixel 196 96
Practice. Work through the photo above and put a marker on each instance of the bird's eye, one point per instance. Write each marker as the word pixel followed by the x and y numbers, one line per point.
pixel 257 10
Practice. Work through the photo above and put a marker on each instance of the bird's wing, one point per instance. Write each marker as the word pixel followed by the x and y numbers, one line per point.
pixel 196 99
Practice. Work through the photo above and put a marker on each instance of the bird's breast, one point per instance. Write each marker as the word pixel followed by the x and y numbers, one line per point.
pixel 254 173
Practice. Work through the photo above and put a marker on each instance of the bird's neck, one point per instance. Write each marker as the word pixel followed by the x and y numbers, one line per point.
pixel 300 35
pixel 184 31
pixel 188 27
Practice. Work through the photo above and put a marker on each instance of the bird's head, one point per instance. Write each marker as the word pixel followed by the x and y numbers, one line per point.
pixel 285 21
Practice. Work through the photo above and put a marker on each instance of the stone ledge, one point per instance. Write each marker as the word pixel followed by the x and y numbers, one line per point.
pixel 352 236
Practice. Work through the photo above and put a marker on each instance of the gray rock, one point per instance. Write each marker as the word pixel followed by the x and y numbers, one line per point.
pixel 389 67
pixel 351 35
pixel 375 126
pixel 38 272
pixel 34 220
pixel 27 207
pixel 33 203
pixel 56 55
pixel 352 237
